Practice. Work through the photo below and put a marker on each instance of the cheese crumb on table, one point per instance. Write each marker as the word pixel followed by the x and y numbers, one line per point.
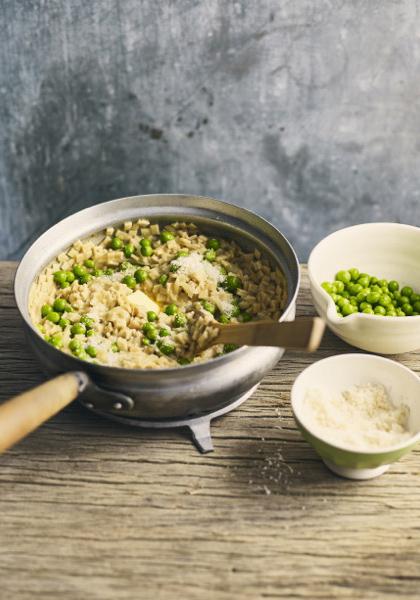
pixel 362 418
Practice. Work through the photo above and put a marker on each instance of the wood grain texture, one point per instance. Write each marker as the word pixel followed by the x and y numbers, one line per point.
pixel 96 510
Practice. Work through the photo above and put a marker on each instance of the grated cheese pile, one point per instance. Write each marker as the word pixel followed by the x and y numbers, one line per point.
pixel 194 267
pixel 362 418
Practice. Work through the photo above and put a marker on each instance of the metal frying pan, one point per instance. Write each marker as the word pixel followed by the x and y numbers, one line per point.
pixel 184 392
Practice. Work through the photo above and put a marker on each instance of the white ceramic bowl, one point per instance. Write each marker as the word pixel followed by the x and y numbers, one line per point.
pixel 385 250
pixel 338 373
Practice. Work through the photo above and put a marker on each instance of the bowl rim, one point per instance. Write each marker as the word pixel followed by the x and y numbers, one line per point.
pixel 163 371
pixel 343 448
pixel 331 310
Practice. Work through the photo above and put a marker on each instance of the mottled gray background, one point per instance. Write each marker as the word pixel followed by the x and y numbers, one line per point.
pixel 307 111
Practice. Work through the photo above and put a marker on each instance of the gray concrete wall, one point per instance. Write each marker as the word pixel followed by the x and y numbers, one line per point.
pixel 307 111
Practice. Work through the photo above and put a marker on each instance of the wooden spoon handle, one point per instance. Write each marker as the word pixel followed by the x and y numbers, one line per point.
pixel 303 334
pixel 24 413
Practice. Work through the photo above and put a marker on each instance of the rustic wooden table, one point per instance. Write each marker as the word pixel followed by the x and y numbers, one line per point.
pixel 93 509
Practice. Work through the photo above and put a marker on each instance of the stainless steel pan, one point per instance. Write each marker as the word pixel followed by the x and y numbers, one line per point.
pixel 147 394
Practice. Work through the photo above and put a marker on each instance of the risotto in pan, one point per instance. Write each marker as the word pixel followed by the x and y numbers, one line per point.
pixel 140 295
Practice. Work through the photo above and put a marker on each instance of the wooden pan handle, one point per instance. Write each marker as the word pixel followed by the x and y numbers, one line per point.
pixel 24 413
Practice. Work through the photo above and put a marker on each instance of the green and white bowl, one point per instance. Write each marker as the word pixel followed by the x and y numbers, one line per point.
pixel 338 373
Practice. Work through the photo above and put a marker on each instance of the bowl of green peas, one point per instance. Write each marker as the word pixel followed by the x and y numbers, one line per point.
pixel 365 282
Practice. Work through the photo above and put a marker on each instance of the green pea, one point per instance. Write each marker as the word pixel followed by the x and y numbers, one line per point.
pixel 180 320
pixel 343 276
pixel 140 275
pixel 129 281
pixel 209 306
pixel 91 350
pixel 166 236
pixel 152 334
pixel 63 323
pixel 416 306
pixel 145 341
pixel 393 286
pixel 363 281
pixel 407 308
pixel 60 304
pixel 373 280
pixel 353 301
pixel 124 265
pixel 356 289
pixel 373 297
pixel 245 317
pixel 224 318
pixel 407 291
pixel 74 345
pixel 183 361
pixel 361 296
pixel 115 347
pixel 109 271
pixel 166 348
pixel 400 313
pixel 229 348
pixel 364 305
pixel 232 283
pixel 151 316
pixel 90 332
pixel 414 298
pixel 348 309
pixel 163 279
pixel 53 316
pixel 403 300
pixel 335 297
pixel 79 271
pixel 97 272
pixel 89 263
pixel 171 309
pixel 338 286
pixel 379 310
pixel 64 285
pixel 163 332
pixel 173 267
pixel 345 294
pixel 45 309
pixel 354 273
pixel 342 301
pixel 376 288
pixel 368 311
pixel 70 276
pixel 146 250
pixel 210 255
pixel 383 283
pixel 60 277
pixel 391 312
pixel 213 244
pixel 85 278
pixel 236 311
pixel 328 287
pixel 182 253
pixel 55 340
pixel 144 243
pixel 384 300
pixel 128 250
pixel 78 329
pixel 116 243
pixel 396 295
pixel 87 321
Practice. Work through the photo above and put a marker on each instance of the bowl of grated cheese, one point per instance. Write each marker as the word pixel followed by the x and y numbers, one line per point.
pixel 360 412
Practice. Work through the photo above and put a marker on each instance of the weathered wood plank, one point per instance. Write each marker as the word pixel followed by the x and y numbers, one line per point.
pixel 92 509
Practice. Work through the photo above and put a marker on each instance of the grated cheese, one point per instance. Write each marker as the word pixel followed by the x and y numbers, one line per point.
pixel 362 417
pixel 195 267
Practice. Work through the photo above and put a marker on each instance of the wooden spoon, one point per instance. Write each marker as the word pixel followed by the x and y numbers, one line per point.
pixel 303 334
